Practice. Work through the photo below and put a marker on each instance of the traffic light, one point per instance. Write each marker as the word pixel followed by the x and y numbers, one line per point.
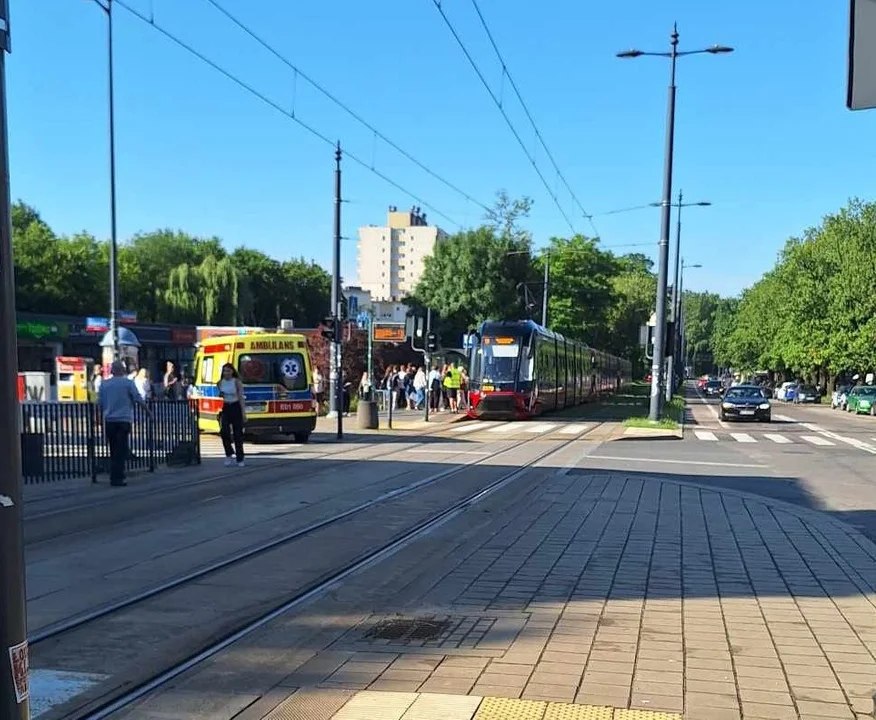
pixel 328 329
pixel 431 342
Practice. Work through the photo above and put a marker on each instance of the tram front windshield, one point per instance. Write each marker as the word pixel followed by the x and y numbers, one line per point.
pixel 496 361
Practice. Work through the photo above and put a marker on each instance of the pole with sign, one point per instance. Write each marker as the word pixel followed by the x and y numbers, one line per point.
pixel 14 687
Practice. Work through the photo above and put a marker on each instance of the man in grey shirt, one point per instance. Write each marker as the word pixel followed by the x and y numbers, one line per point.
pixel 117 398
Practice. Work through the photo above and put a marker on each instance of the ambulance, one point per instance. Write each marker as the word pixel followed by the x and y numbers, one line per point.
pixel 277 378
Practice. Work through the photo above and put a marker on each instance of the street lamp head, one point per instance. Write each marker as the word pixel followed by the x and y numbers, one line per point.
pixel 703 204
pixel 719 50
pixel 630 54
pixel 695 265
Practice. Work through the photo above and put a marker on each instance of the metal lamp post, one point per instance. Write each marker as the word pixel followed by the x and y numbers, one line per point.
pixel 676 294
pixel 114 249
pixel 679 325
pixel 657 378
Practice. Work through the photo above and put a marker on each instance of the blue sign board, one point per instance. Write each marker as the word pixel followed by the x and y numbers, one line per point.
pixel 352 306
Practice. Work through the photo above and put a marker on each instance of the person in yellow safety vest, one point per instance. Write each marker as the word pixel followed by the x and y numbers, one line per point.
pixel 452 379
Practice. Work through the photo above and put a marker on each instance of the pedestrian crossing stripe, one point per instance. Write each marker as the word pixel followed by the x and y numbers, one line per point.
pixel 742 437
pixel 705 435
pixel 776 438
pixel 466 428
pixel 540 428
pixel 574 429
pixel 506 427
pixel 816 440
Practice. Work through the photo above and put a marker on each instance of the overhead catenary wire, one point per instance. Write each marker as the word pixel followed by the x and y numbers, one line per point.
pixel 299 73
pixel 506 73
pixel 291 116
pixel 498 102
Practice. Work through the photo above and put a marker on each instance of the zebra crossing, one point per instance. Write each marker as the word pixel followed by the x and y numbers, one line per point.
pixel 493 430
pixel 769 438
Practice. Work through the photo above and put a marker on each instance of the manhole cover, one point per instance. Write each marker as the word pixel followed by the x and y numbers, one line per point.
pixel 408 629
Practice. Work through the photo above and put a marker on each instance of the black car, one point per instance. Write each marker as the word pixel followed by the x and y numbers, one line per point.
pixel 806 394
pixel 745 402
pixel 713 387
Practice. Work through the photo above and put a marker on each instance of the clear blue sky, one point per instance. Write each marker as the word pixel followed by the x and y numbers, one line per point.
pixel 763 133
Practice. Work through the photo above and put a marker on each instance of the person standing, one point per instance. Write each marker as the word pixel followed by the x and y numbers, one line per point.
pixel 170 382
pixel 233 415
pixel 435 390
pixel 116 399
pixel 318 388
pixel 420 385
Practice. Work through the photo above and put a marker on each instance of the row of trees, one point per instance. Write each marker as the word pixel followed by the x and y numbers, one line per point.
pixel 165 276
pixel 813 315
pixel 492 272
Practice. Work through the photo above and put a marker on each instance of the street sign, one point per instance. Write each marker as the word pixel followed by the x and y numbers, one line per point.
pixel 388 332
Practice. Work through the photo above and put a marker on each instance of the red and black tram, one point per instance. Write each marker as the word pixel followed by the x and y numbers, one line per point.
pixel 519 369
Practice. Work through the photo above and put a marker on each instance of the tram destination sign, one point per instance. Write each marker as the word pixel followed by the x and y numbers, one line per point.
pixel 388 332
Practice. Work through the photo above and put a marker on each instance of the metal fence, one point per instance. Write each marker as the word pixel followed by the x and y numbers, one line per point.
pixel 62 440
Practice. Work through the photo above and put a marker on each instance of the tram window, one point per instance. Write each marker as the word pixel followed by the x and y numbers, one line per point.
pixel 527 367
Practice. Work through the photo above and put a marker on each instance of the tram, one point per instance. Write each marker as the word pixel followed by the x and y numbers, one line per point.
pixel 520 370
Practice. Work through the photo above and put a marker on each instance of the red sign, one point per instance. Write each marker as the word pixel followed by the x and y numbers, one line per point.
pixel 290 407
pixel 183 336
pixel 19 662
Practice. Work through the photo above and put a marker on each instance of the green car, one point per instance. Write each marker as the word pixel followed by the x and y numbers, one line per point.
pixel 862 400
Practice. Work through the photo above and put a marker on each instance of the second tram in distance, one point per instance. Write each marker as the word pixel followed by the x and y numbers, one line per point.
pixel 519 370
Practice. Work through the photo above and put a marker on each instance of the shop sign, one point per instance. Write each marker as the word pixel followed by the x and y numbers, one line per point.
pixel 183 336
pixel 96 325
pixel 36 330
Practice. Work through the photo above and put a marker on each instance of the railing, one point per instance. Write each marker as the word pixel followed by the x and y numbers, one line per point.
pixel 63 440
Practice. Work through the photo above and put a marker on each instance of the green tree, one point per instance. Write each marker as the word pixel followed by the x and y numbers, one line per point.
pixel 699 318
pixel 208 292
pixel 146 263
pixel 476 275
pixel 635 290
pixel 505 215
pixel 581 290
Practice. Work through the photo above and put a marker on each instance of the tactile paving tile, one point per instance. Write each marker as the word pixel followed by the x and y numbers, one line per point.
pixel 435 706
pixel 311 704
pixel 569 711
pixel 506 709
pixel 644 715
pixel 373 705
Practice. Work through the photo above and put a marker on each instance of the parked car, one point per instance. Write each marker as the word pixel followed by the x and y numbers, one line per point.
pixel 745 402
pixel 806 394
pixel 782 390
pixel 838 397
pixel 862 400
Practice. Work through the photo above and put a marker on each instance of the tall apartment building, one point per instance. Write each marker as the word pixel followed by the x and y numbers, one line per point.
pixel 391 258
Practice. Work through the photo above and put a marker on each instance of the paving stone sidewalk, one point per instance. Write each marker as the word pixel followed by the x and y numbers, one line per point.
pixel 580 594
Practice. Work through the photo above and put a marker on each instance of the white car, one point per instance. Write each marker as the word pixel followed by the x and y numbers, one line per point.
pixel 838 397
pixel 782 390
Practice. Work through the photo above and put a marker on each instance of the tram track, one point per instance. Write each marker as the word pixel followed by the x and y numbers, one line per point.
pixel 111 701
pixel 271 473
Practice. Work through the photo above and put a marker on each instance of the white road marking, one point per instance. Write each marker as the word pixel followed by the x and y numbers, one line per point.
pixel 812 427
pixel 468 427
pixel 854 442
pixel 743 437
pixel 505 427
pixel 706 435
pixel 776 438
pixel 816 440
pixel 540 428
pixel 574 429
pixel 674 462
pixel 783 418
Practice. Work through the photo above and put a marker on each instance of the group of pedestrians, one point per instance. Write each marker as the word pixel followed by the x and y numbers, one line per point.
pixel 406 386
